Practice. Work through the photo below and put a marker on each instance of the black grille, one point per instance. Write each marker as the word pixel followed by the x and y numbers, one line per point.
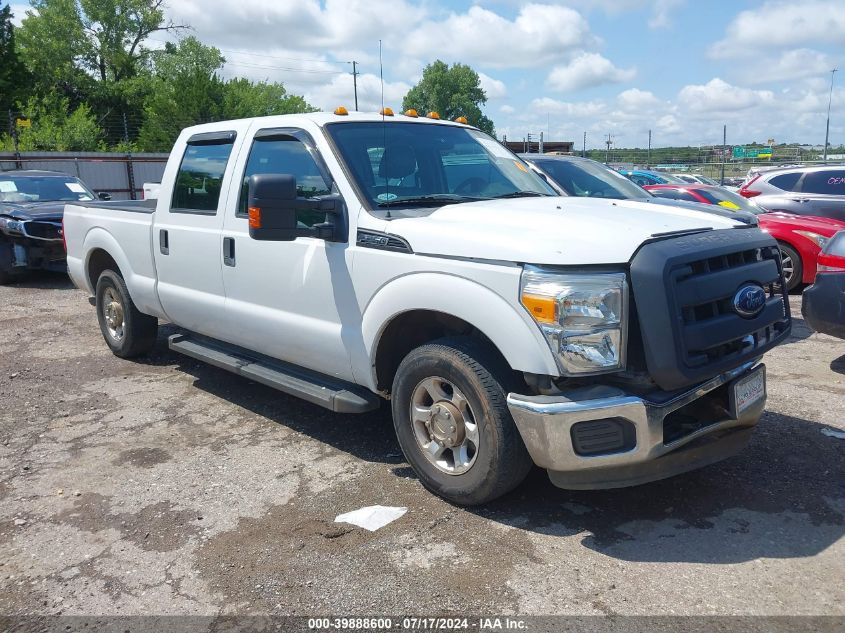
pixel 684 290
pixel 44 230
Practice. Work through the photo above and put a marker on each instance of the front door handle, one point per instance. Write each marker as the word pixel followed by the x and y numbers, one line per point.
pixel 229 251
pixel 163 242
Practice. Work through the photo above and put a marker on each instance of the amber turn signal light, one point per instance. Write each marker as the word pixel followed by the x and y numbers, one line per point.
pixel 254 218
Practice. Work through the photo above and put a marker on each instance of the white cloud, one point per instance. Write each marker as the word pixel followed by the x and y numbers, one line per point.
pixel 19 12
pixel 800 63
pixel 637 100
pixel 585 71
pixel 584 109
pixel 661 17
pixel 339 91
pixel 506 109
pixel 783 24
pixel 493 88
pixel 540 34
pixel 718 96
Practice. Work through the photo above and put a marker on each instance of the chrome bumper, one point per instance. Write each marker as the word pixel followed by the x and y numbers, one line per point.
pixel 545 423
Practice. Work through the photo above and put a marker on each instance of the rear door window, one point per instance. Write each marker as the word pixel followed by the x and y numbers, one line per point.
pixel 200 177
pixel 674 194
pixel 786 182
pixel 828 181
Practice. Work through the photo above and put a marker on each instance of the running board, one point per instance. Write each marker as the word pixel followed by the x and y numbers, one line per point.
pixel 328 392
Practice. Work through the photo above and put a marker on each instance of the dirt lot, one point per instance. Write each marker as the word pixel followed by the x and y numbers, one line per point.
pixel 169 487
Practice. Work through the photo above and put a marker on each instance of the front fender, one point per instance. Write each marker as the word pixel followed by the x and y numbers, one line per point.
pixel 507 325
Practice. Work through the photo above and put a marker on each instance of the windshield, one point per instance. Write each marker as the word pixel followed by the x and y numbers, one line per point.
pixel 728 199
pixel 42 189
pixel 416 164
pixel 669 179
pixel 707 181
pixel 589 179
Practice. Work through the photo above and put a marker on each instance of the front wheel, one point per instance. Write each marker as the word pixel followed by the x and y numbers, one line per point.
pixel 127 331
pixel 451 417
pixel 793 269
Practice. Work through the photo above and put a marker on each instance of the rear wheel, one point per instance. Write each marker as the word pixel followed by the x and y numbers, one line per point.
pixel 127 331
pixel 452 421
pixel 793 268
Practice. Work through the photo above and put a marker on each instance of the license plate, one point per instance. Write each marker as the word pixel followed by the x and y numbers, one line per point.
pixel 749 391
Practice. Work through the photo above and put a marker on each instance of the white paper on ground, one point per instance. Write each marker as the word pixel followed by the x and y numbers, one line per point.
pixel 839 435
pixel 372 517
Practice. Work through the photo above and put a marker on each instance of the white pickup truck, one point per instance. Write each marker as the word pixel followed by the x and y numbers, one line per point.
pixel 350 258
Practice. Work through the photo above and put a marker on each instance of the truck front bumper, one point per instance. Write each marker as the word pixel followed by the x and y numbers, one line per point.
pixel 605 438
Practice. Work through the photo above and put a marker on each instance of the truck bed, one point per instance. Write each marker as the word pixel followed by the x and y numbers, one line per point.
pixel 124 231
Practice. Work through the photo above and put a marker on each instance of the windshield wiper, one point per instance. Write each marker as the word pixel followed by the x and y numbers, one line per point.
pixel 436 199
pixel 522 194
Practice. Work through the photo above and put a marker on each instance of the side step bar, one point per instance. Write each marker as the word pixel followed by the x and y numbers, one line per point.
pixel 328 392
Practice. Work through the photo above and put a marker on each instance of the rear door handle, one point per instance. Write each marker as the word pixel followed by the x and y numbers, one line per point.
pixel 163 242
pixel 229 251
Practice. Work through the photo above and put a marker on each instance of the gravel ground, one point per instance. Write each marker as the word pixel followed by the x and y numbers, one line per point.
pixel 166 486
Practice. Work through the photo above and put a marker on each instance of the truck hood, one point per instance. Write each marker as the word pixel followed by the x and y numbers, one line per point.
pixel 47 211
pixel 554 231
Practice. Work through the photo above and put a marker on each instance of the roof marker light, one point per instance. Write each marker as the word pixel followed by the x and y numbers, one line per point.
pixel 433 115
pixel 341 111
pixel 411 112
pixel 386 111
pixel 462 119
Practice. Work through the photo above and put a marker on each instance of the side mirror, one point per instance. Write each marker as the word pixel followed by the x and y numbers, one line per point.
pixel 104 195
pixel 274 210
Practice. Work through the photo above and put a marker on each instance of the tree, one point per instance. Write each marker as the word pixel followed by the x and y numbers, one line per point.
pixel 54 126
pixel 13 75
pixel 243 98
pixel 187 90
pixel 94 52
pixel 451 92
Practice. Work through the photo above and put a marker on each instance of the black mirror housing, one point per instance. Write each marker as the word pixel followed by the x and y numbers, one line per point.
pixel 273 206
pixel 104 195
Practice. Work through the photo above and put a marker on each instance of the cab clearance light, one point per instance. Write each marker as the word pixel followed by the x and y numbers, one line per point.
pixel 462 119
pixel 411 112
pixel 433 115
pixel 386 112
pixel 254 218
pixel 341 111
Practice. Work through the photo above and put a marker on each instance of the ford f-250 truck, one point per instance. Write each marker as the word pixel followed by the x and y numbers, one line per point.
pixel 350 258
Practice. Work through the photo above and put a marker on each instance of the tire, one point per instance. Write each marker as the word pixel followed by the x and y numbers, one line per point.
pixel 789 256
pixel 127 332
pixel 471 382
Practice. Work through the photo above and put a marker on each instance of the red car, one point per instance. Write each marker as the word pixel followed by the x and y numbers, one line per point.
pixel 801 237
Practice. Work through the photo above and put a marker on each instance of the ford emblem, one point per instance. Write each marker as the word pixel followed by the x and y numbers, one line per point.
pixel 749 300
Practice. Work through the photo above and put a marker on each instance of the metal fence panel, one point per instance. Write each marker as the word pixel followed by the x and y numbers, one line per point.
pixel 101 171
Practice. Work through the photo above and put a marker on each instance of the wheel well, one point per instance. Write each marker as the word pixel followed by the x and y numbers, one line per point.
pixel 408 331
pixel 99 261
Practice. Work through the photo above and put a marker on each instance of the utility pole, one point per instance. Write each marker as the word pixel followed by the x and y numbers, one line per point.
pixel 724 152
pixel 13 130
pixel 608 142
pixel 648 158
pixel 355 74
pixel 130 167
pixel 540 150
pixel 827 128
pixel 584 146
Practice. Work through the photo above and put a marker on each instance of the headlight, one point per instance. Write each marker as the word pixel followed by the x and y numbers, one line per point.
pixel 583 317
pixel 820 240
pixel 11 227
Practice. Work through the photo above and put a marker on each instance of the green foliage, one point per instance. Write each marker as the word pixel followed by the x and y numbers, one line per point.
pixel 55 127
pixel 452 92
pixel 243 98
pixel 13 74
pixel 187 91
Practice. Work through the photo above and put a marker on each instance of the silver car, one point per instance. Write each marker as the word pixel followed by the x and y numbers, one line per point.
pixel 818 191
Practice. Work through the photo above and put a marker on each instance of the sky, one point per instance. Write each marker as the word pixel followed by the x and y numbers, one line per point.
pixel 680 68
